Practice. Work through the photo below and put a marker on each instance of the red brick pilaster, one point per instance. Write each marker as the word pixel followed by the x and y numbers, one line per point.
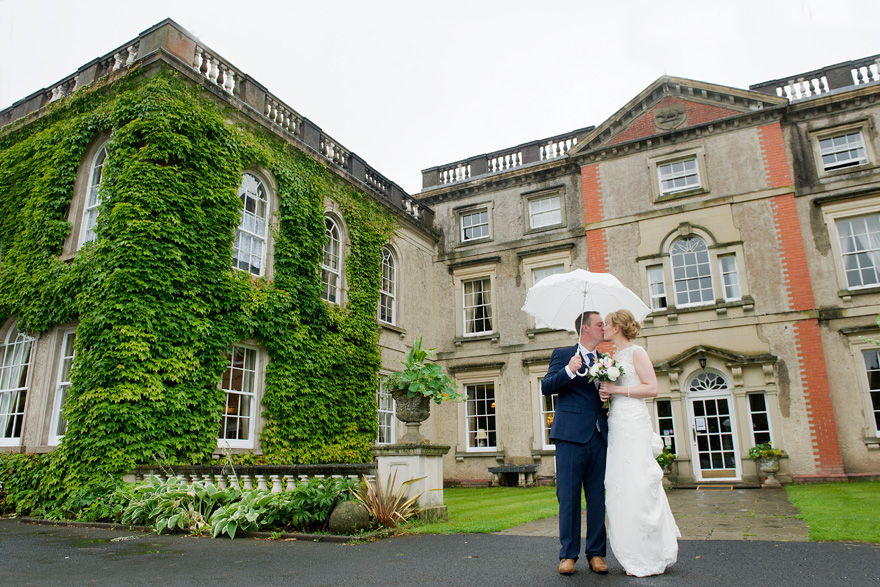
pixel 817 395
pixel 773 152
pixel 808 339
pixel 597 247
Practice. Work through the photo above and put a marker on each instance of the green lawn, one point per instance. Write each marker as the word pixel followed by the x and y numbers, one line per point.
pixel 839 511
pixel 481 510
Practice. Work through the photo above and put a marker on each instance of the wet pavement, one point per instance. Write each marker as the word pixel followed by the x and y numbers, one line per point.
pixel 715 513
pixel 736 538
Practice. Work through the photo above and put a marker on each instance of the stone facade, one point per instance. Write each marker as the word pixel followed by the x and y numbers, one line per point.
pixel 727 210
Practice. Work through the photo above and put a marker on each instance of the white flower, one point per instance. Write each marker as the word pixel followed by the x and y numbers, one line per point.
pixel 594 370
pixel 607 361
pixel 613 373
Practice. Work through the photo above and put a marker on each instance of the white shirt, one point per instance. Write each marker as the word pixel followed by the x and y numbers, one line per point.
pixel 584 355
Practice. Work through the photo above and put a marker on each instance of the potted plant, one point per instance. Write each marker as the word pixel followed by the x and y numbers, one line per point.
pixel 665 460
pixel 767 460
pixel 415 387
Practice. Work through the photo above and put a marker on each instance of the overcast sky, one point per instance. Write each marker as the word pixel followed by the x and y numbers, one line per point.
pixel 408 85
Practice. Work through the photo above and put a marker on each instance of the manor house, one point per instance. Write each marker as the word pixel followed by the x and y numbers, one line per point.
pixel 747 219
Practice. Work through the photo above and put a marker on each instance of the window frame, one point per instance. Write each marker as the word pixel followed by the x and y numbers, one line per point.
pixel 530 198
pixel 390 294
pixel 671 417
pixel 388 415
pixel 339 271
pixel 722 277
pixel 861 342
pixel 65 353
pixel 470 210
pixel 862 127
pixel 489 286
pixel 766 412
pixel 18 416
pixel 470 418
pixel 662 282
pixel 253 234
pixel 255 398
pixel 655 163
pixel 850 209
pixel 86 230
pixel 674 281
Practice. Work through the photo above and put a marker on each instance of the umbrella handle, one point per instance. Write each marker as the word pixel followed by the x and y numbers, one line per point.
pixel 585 373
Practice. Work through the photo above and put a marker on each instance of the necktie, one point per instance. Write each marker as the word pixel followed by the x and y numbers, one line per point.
pixel 590 359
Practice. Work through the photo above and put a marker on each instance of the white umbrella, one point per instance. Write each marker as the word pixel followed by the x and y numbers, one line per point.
pixel 557 300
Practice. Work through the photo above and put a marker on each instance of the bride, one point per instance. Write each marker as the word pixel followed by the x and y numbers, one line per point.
pixel 641 530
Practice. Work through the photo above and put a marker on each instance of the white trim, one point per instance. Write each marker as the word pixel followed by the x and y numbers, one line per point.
pixel 61 384
pixel 90 203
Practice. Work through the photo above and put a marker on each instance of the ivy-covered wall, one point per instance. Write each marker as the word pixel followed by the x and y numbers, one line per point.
pixel 157 300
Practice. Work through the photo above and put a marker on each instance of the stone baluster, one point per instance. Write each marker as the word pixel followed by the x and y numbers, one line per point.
pixel 276 483
pixel 132 54
pixel 197 59
pixel 221 75
pixel 229 85
pixel 234 482
pixel 261 482
pixel 207 478
pixel 195 478
pixel 220 481
pixel 289 482
pixel 303 478
pixel 215 70
pixel 206 63
pixel 183 479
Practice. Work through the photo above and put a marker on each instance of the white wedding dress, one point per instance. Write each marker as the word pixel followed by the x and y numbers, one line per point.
pixel 641 530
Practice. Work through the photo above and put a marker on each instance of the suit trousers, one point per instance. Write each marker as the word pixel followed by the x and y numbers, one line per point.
pixel 581 466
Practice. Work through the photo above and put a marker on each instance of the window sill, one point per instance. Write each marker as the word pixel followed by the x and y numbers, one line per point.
pixel 682 194
pixel 493 336
pixel 847 294
pixel 872 442
pixel 392 328
pixel 530 230
pixel 531 332
pixel 747 303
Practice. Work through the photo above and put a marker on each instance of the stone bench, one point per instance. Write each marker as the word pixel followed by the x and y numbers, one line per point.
pixel 525 474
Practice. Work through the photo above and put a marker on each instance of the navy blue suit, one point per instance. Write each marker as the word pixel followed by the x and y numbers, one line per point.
pixel 580 455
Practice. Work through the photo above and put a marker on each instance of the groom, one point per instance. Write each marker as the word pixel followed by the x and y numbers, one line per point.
pixel 580 432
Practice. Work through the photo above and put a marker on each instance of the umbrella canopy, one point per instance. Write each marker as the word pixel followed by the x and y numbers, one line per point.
pixel 557 300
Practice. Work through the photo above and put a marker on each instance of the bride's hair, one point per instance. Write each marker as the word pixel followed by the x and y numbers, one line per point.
pixel 629 327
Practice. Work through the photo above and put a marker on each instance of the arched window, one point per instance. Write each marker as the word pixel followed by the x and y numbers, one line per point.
pixel 708 381
pixel 249 250
pixel 388 289
pixel 93 198
pixel 331 265
pixel 691 272
pixel 15 362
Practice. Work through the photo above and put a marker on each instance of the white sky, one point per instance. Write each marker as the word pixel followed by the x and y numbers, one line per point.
pixel 408 84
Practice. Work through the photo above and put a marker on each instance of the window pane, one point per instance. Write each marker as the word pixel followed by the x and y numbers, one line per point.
pixel 388 288
pixel 330 266
pixel 545 212
pixel 691 272
pixel 656 287
pixel 251 235
pixel 14 371
pixel 477 306
pixel 239 383
pixel 860 248
pixel 678 176
pixel 846 150
pixel 481 430
pixel 474 225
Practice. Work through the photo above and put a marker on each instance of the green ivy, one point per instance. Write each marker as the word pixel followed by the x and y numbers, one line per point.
pixel 157 301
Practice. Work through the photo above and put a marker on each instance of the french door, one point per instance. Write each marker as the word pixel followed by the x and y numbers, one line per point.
pixel 713 438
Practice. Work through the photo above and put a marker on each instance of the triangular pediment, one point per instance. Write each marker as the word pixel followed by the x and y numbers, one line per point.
pixel 723 355
pixel 673 104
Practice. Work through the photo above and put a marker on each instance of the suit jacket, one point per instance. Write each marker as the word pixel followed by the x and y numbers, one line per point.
pixel 578 406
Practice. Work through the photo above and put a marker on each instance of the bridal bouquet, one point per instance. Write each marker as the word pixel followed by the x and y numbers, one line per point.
pixel 605 369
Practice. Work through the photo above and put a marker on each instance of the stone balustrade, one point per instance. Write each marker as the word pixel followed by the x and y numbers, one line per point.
pixel 502 161
pixel 266 477
pixel 169 42
pixel 822 81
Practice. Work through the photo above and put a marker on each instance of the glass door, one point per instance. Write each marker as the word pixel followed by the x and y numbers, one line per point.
pixel 713 430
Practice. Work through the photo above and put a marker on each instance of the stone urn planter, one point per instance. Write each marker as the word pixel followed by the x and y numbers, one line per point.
pixel 412 411
pixel 414 388
pixel 767 461
pixel 769 465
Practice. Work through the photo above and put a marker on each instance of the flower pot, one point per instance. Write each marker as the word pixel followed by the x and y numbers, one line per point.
pixel 769 465
pixel 412 411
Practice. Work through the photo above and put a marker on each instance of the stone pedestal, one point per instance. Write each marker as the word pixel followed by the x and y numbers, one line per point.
pixel 414 461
